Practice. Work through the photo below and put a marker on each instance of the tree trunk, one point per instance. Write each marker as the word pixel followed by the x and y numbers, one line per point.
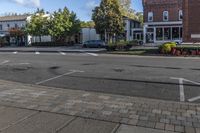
pixel 40 37
pixel 105 36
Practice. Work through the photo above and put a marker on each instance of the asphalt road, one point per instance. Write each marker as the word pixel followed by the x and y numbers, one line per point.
pixel 151 77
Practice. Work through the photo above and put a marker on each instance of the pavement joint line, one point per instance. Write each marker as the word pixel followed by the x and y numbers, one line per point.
pixel 57 88
pixel 75 117
pixel 59 76
pixel 96 118
pixel 20 120
pixel 58 113
pixel 66 124
pixel 116 128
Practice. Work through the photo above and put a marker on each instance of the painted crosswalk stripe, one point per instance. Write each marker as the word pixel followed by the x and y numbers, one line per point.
pixel 15 52
pixel 37 52
pixel 92 54
pixel 62 53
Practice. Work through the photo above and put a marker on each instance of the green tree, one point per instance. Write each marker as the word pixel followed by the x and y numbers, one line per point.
pixel 60 24
pixel 108 19
pixel 89 24
pixel 125 7
pixel 76 25
pixel 139 16
pixel 63 24
pixel 37 25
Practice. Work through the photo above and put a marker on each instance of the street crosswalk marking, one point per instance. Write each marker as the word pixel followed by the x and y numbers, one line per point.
pixel 62 53
pixel 92 54
pixel 59 52
pixel 37 53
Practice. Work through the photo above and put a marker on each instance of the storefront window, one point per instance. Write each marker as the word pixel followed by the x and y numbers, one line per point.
pixel 181 32
pixel 150 30
pixel 167 33
pixel 159 34
pixel 175 33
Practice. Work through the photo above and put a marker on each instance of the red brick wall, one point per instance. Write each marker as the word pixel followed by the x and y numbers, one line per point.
pixel 158 6
pixel 191 20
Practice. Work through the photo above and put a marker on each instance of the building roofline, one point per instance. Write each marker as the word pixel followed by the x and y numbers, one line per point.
pixel 13 18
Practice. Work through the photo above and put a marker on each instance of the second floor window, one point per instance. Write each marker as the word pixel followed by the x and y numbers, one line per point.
pixel 150 16
pixel 180 15
pixel 16 26
pixel 165 16
pixel 1 28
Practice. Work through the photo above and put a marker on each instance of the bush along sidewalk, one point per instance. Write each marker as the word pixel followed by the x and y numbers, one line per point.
pixel 186 51
pixel 121 45
pixel 171 48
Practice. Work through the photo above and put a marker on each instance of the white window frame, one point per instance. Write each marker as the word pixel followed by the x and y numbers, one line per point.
pixel 180 13
pixel 165 12
pixel 150 15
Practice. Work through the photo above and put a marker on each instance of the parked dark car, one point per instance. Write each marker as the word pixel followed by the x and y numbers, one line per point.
pixel 94 44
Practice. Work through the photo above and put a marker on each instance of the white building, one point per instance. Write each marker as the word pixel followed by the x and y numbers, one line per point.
pixel 133 29
pixel 9 22
pixel 18 22
pixel 89 34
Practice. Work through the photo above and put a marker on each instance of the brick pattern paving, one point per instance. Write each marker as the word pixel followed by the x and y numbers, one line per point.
pixel 158 114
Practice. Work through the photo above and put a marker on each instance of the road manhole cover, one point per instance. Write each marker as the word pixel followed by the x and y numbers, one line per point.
pixel 118 70
pixel 89 64
pixel 54 67
pixel 20 68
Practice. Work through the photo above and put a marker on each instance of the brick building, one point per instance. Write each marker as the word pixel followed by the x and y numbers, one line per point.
pixel 191 23
pixel 163 21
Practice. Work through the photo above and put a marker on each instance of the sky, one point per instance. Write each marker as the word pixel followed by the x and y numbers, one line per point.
pixel 83 8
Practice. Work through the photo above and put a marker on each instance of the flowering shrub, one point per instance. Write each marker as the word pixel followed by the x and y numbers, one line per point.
pixel 166 48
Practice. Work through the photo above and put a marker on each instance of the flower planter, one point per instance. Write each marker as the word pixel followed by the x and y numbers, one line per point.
pixel 193 52
pixel 173 51
pixel 178 52
pixel 110 48
pixel 184 53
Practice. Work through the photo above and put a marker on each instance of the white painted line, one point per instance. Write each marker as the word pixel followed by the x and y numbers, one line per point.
pixel 192 81
pixel 15 64
pixel 15 52
pixel 62 53
pixel 93 54
pixel 37 53
pixel 4 62
pixel 71 72
pixel 24 63
pixel 194 99
pixel 181 87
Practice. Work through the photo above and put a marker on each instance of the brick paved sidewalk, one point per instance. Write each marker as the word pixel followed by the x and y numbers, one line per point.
pixel 141 112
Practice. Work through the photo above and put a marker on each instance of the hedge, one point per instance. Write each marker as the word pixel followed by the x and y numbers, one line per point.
pixel 51 44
